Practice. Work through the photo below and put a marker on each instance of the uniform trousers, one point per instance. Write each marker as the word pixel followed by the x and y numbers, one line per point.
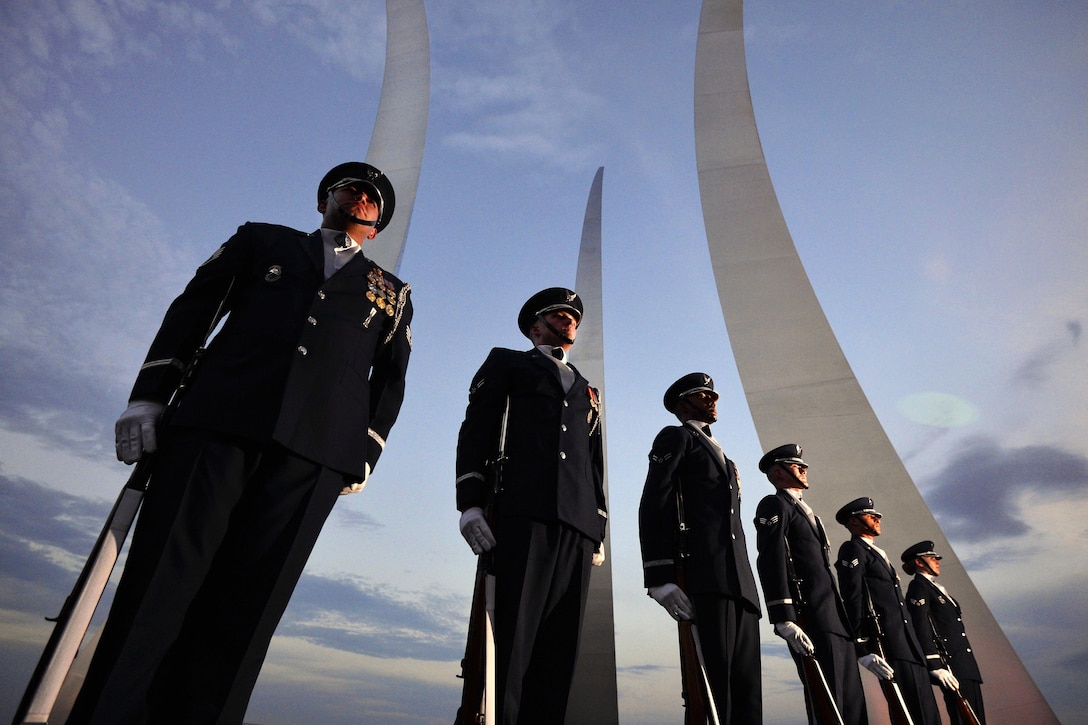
pixel 729 635
pixel 838 659
pixel 917 691
pixel 223 536
pixel 541 585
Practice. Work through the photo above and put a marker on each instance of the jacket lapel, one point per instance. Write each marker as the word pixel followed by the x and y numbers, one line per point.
pixel 715 450
pixel 314 247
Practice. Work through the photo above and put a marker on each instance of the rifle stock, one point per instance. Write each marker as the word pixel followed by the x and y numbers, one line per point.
pixel 966 712
pixel 478 666
pixel 822 702
pixel 474 664
pixel 696 685
pixel 824 709
pixel 963 707
pixel 897 706
pixel 74 618
pixel 71 623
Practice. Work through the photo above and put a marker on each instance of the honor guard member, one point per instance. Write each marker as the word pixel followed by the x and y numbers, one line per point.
pixel 936 615
pixel 290 407
pixel 548 518
pixel 689 472
pixel 866 575
pixel 793 547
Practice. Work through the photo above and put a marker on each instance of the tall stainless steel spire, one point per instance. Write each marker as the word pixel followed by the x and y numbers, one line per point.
pixel 400 127
pixel 593 698
pixel 797 381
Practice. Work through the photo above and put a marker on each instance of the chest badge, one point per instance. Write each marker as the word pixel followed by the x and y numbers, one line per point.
pixel 273 274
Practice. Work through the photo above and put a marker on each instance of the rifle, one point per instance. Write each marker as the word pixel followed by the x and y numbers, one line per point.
pixel 963 707
pixel 696 692
pixel 478 665
pixel 71 624
pixel 822 702
pixel 897 706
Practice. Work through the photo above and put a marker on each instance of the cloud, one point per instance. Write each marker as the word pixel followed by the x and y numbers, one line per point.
pixel 1036 369
pixel 533 103
pixel 45 536
pixel 978 493
pixel 354 615
pixel 331 30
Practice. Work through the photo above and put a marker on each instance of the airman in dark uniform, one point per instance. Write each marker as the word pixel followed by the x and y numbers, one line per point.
pixel 548 519
pixel 793 545
pixel 867 577
pixel 935 614
pixel 289 407
pixel 689 472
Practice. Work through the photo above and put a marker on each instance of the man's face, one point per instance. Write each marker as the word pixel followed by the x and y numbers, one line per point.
pixel 791 475
pixel 701 406
pixel 563 322
pixel 346 202
pixel 865 525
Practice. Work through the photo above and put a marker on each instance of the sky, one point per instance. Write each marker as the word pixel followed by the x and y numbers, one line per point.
pixel 929 159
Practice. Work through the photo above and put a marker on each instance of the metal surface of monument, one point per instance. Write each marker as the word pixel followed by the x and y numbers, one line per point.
pixel 593 698
pixel 797 382
pixel 400 127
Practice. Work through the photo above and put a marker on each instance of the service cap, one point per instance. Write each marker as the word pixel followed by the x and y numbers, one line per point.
pixel 549 300
pixel 789 453
pixel 690 383
pixel 362 174
pixel 858 506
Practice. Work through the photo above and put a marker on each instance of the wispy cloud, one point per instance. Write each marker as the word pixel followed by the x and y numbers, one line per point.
pixel 331 30
pixel 533 104
pixel 1037 368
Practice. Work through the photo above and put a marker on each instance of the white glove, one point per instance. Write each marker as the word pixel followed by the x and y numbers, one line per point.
pixel 945 679
pixel 356 486
pixel 476 531
pixel 673 599
pixel 877 665
pixel 598 555
pixel 795 637
pixel 134 431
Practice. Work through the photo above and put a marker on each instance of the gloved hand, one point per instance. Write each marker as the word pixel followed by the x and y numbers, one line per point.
pixel 877 665
pixel 598 555
pixel 945 679
pixel 476 531
pixel 356 486
pixel 673 599
pixel 134 431
pixel 795 637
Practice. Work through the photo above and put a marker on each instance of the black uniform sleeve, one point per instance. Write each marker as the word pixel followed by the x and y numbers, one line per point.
pixel 190 316
pixel 918 607
pixel 657 511
pixel 477 441
pixel 772 527
pixel 851 571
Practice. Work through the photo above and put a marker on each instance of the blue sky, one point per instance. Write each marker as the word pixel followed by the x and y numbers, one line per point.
pixel 929 159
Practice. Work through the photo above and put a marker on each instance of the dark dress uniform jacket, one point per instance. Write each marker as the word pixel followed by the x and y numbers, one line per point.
pixel 780 519
pixel 859 565
pixel 684 459
pixel 293 360
pixel 554 469
pixel 925 599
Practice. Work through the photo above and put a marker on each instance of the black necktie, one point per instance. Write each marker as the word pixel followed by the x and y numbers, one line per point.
pixel 557 353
